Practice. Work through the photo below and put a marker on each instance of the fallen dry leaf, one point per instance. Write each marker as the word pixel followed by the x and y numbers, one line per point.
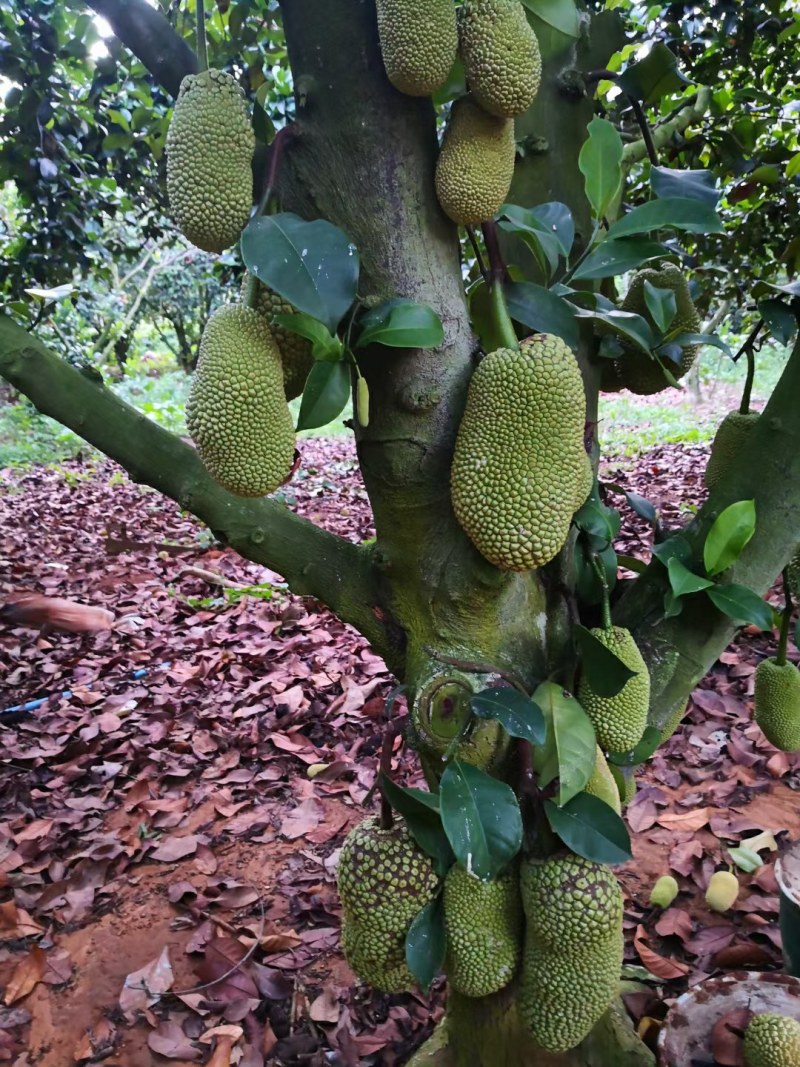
pixel 27 974
pixel 659 966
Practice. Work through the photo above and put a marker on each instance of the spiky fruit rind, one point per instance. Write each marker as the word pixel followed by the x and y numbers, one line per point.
pixel 210 147
pixel 501 55
pixel 295 350
pixel 483 921
pixel 601 783
pixel 519 465
pixel 619 721
pixel 772 1040
pixel 475 165
pixel 384 880
pixel 673 721
pixel 777 704
pixel 237 412
pixel 664 892
pixel 419 41
pixel 571 903
pixel 723 889
pixel 729 440
pixel 634 370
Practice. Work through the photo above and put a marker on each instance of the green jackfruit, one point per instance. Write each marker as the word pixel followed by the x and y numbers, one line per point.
pixel 210 147
pixel 419 41
pixel 295 351
pixel 237 412
pixel 664 892
pixel 772 1040
pixel 777 704
pixel 673 721
pixel 729 440
pixel 501 55
pixel 384 881
pixel 722 891
pixel 635 370
pixel 626 783
pixel 476 163
pixel 601 783
pixel 483 921
pixel 573 948
pixel 619 721
pixel 519 465
pixel 793 574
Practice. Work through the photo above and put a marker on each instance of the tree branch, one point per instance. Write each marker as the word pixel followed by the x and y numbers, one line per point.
pixel 313 562
pixel 663 134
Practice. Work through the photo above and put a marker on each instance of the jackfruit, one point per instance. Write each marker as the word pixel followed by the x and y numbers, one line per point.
pixel 636 371
pixel 210 147
pixel 384 881
pixel 772 1040
pixel 626 783
pixel 793 574
pixel 729 441
pixel 295 350
pixel 601 783
pixel 777 704
pixel 440 713
pixel 237 412
pixel 673 721
pixel 483 921
pixel 419 41
pixel 519 465
pixel 664 892
pixel 723 889
pixel 573 948
pixel 476 163
pixel 619 721
pixel 501 55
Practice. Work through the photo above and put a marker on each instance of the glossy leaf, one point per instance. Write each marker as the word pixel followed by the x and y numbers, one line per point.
pixel 600 162
pixel 616 257
pixel 560 14
pixel 420 810
pixel 516 713
pixel 654 76
pixel 570 749
pixel 541 310
pixel 670 213
pixel 426 943
pixel 401 324
pixel 742 605
pixel 687 184
pixel 625 324
pixel 732 530
pixel 324 344
pixel 650 741
pixel 683 581
pixel 605 672
pixel 481 818
pixel 661 304
pixel 676 546
pixel 325 395
pixel 590 828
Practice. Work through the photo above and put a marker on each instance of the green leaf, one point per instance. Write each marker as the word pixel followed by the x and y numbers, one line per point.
pixel 556 220
pixel 676 546
pixel 685 184
pixel 670 213
pixel 683 581
pixel 541 241
pixel 590 828
pixel 745 859
pixel 541 310
pixel 426 943
pixel 570 749
pixel 326 393
pixel 780 319
pixel 742 605
pixel 640 505
pixel 661 304
pixel 683 339
pixel 649 742
pixel 599 522
pixel 600 162
pixel 562 15
pixel 632 563
pixel 654 76
pixel 401 324
pixel 726 539
pixel 617 257
pixel 588 586
pixel 516 713
pixel 324 344
pixel 420 810
pixel 626 324
pixel 481 818
pixel 313 265
pixel 605 672
pixel 483 318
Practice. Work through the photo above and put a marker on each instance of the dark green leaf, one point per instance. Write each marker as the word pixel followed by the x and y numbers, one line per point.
pixel 601 523
pixel 780 319
pixel 420 810
pixel 631 563
pixel 661 304
pixel 324 344
pixel 625 324
pixel 589 587
pixel 683 581
pixel 541 310
pixel 606 673
pixel 560 14
pixel 683 339
pixel 600 162
pixel 426 943
pixel 674 213
pixel 686 184
pixel 313 265
pixel 742 605
pixel 590 828
pixel 542 242
pixel 617 257
pixel 676 546
pixel 650 741
pixel 570 749
pixel 516 713
pixel 326 392
pixel 481 818
pixel 654 76
pixel 732 530
pixel 556 219
pixel 401 324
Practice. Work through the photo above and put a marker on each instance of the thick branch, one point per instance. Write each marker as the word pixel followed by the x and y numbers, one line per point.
pixel 662 135
pixel 314 562
pixel 151 38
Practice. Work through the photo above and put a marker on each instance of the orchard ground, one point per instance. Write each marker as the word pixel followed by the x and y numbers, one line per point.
pixel 180 812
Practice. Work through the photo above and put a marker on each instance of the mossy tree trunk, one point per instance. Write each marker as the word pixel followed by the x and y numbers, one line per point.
pixel 364 159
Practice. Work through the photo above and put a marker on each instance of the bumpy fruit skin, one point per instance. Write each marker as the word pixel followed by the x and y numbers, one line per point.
pixel 601 783
pixel 626 783
pixel 619 721
pixel 501 55
pixel 476 163
pixel 483 921
pixel 295 351
pixel 664 892
pixel 236 412
pixel 519 465
pixel 777 704
pixel 210 147
pixel 723 889
pixel 636 371
pixel 419 41
pixel 674 721
pixel 772 1041
pixel 793 574
pixel 384 880
pixel 573 948
pixel 729 440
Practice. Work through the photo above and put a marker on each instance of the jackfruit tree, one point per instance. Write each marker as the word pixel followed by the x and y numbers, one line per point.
pixel 470 220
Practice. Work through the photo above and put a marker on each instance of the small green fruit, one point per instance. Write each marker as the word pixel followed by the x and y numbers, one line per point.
pixel 723 889
pixel 663 892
